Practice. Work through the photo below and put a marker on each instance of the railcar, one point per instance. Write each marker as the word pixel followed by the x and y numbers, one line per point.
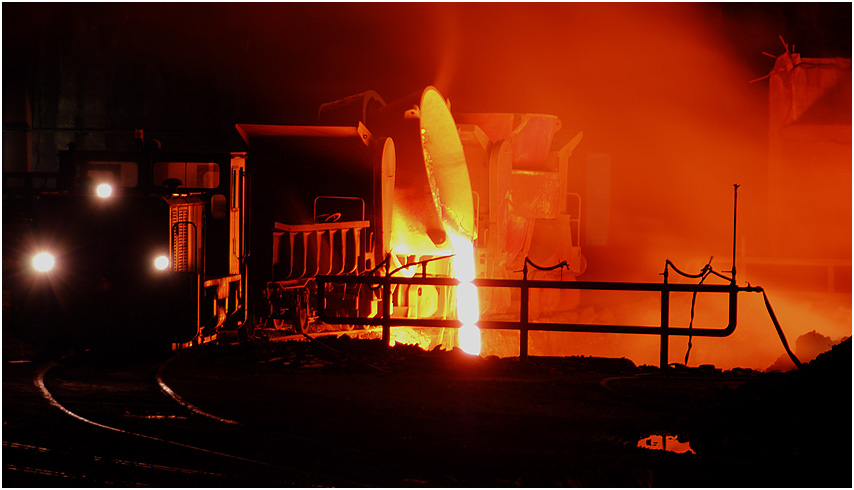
pixel 405 188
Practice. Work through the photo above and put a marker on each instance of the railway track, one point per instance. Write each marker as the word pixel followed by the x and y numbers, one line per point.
pixel 122 424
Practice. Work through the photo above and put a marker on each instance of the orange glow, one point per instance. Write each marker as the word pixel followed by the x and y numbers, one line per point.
pixel 662 93
pixel 666 443
pixel 433 216
pixel 665 137
pixel 418 302
pixel 412 336
pixel 432 191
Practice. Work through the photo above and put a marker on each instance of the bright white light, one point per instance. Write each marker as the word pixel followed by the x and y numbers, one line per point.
pixel 43 262
pixel 104 190
pixel 467 307
pixel 470 339
pixel 468 311
pixel 463 257
pixel 161 262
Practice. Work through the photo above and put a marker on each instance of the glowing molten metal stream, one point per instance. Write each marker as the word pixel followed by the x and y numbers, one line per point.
pixel 468 311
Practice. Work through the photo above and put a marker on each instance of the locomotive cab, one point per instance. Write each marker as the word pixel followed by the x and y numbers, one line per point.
pixel 206 216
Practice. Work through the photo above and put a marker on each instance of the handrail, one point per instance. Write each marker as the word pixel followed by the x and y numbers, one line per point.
pixel 524 325
pixel 343 198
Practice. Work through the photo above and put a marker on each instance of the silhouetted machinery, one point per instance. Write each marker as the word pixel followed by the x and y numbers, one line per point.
pixel 373 189
pixel 394 186
pixel 381 214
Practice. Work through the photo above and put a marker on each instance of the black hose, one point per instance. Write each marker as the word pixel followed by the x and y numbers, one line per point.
pixel 780 330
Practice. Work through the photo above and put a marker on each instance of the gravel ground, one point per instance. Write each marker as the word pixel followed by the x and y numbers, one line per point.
pixel 356 412
pixel 444 418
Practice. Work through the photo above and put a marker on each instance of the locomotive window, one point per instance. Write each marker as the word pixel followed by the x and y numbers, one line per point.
pixel 123 174
pixel 195 175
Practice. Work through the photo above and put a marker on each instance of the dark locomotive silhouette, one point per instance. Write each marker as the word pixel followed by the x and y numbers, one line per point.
pixel 121 247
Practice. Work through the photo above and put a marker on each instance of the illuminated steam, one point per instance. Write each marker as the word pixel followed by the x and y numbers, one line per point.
pixel 670 123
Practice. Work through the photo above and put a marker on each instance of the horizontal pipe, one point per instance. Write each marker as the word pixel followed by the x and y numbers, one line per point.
pixel 626 329
pixel 248 131
pixel 516 283
pixel 553 327
pixel 546 327
pixel 301 131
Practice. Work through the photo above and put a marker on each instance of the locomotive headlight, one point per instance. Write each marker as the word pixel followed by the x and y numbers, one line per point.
pixel 43 262
pixel 161 263
pixel 104 190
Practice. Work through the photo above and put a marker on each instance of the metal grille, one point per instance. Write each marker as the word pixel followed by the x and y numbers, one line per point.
pixel 180 217
pixel 304 251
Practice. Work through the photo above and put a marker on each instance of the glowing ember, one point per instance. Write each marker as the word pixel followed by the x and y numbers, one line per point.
pixel 667 443
pixel 467 304
pixel 411 336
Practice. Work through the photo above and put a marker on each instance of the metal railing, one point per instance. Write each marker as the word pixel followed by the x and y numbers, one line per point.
pixel 525 325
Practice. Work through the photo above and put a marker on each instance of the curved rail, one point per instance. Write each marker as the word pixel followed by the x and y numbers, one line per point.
pixel 39 381
pixel 276 470
pixel 180 401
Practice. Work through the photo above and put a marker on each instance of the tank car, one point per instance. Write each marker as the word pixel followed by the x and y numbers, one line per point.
pixel 127 248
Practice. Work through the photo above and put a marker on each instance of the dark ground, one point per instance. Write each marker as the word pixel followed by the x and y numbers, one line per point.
pixel 406 417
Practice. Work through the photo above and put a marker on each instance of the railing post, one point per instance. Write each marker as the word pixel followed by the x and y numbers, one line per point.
pixel 523 318
pixel 387 307
pixel 665 323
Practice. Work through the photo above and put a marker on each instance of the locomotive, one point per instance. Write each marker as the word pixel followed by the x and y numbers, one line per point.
pixel 371 189
pixel 141 247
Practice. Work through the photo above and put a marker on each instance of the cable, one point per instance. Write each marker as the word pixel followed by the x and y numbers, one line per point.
pixel 561 265
pixel 704 273
pixel 693 304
